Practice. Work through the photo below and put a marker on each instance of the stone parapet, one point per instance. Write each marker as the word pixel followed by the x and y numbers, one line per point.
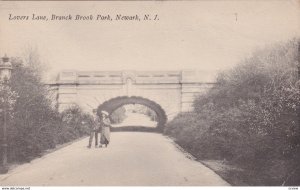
pixel 174 91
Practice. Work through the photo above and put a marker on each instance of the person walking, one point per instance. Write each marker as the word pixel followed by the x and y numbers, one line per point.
pixel 105 128
pixel 95 129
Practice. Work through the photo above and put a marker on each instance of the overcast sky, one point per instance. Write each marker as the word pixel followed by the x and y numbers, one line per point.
pixel 200 35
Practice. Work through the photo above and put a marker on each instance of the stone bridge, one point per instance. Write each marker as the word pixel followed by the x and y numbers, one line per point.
pixel 165 92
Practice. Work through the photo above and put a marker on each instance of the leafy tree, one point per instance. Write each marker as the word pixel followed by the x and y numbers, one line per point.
pixel 250 117
pixel 75 124
pixel 35 125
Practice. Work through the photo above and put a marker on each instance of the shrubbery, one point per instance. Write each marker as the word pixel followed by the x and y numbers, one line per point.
pixel 118 115
pixel 74 124
pixel 142 109
pixel 33 124
pixel 249 118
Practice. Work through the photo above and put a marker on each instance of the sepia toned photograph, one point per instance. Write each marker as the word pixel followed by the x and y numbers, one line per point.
pixel 150 93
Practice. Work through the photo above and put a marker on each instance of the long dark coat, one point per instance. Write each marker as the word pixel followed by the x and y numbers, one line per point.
pixel 105 131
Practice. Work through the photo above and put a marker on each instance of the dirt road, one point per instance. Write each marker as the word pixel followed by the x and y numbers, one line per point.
pixel 132 159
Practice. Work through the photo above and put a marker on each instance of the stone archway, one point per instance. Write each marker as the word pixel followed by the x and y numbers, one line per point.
pixel 114 103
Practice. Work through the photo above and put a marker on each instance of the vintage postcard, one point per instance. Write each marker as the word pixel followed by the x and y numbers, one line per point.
pixel 149 93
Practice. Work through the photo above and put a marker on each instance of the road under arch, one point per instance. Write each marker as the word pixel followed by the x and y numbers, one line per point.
pixel 111 105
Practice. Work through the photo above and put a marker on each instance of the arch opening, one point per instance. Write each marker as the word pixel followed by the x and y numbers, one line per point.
pixel 113 104
pixel 134 117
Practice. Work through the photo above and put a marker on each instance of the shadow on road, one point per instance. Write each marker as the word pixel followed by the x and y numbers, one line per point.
pixel 135 129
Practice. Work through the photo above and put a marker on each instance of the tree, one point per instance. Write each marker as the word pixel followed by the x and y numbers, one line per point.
pixel 7 101
pixel 8 98
pixel 34 124
pixel 250 117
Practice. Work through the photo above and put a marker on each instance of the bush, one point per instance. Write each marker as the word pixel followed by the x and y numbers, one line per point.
pixel 34 125
pixel 75 124
pixel 118 115
pixel 249 117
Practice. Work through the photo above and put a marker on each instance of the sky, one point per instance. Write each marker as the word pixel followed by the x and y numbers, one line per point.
pixel 189 35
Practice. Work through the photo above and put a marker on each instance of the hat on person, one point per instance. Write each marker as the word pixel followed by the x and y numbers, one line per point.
pixel 105 112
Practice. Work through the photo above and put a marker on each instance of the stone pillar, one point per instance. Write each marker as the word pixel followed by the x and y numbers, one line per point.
pixel 194 83
pixel 67 90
